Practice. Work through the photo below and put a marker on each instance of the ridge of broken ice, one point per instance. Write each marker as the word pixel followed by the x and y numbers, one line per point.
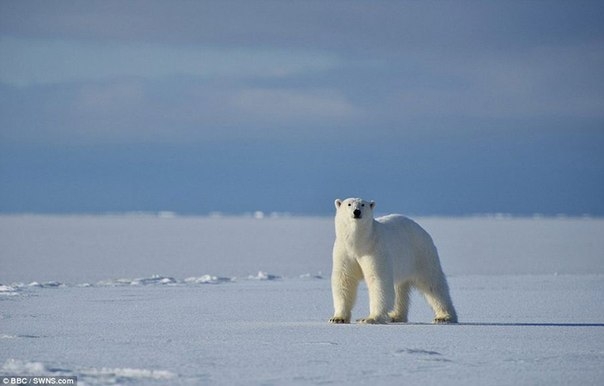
pixel 154 280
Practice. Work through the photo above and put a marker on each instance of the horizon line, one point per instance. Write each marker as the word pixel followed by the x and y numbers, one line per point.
pixel 259 214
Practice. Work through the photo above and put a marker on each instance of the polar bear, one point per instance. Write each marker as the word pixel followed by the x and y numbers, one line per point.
pixel 392 254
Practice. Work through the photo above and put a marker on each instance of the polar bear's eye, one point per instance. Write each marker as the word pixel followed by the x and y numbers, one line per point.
pixel 362 204
pixel 349 204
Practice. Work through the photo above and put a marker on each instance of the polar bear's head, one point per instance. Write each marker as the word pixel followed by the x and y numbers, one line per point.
pixel 355 208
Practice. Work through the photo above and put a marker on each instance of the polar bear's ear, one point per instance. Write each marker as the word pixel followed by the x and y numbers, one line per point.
pixel 372 204
pixel 338 202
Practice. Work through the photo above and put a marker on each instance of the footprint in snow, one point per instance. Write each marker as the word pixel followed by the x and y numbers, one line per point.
pixel 425 354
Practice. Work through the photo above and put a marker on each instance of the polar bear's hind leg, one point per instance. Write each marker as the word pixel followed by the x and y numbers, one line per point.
pixel 439 299
pixel 401 302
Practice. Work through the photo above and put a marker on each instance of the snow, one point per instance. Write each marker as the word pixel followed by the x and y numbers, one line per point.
pixel 174 300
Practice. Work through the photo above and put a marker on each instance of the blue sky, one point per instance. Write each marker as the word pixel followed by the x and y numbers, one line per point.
pixel 426 107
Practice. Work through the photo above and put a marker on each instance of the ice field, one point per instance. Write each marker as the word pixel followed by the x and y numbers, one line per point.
pixel 146 299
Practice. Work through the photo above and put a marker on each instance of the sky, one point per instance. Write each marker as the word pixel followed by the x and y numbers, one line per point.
pixel 428 108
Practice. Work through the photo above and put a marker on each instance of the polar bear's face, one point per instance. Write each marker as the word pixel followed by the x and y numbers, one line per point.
pixel 355 208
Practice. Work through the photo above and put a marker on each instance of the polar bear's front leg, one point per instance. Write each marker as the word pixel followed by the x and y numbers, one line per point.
pixel 344 283
pixel 380 284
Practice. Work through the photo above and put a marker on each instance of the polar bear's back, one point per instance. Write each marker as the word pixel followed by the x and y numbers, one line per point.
pixel 403 226
pixel 409 245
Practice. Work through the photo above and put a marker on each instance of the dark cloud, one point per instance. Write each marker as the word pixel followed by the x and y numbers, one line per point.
pixel 335 25
pixel 442 91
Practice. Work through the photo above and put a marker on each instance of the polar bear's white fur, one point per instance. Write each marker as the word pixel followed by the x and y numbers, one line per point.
pixel 392 254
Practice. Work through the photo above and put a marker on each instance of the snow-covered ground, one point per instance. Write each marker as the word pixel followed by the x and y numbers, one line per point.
pixel 143 299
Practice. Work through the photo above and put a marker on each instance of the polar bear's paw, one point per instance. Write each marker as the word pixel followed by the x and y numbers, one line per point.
pixel 396 317
pixel 445 320
pixel 370 320
pixel 337 320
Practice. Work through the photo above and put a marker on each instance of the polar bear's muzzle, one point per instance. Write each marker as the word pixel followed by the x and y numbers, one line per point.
pixel 357 213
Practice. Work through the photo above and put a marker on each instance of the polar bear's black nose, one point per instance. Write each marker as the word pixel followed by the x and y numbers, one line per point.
pixel 357 213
